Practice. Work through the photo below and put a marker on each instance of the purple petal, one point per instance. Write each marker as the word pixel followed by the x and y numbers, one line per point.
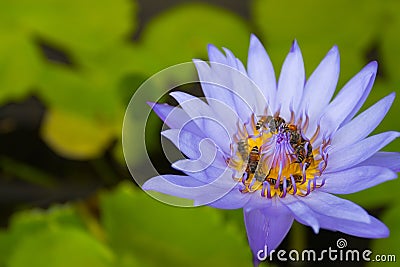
pixel 334 207
pixel 389 160
pixel 205 119
pixel 257 202
pixel 320 87
pixel 234 61
pixel 214 177
pixel 240 66
pixel 301 212
pixel 222 82
pixel 197 148
pixel 373 66
pixel 266 228
pixel 187 187
pixel 363 124
pixel 291 82
pixel 174 185
pixel 261 71
pixel 234 199
pixel 226 113
pixel 191 166
pixel 344 158
pixel 210 174
pixel 373 229
pixel 242 85
pixel 343 104
pixel 224 98
pixel 356 179
pixel 230 58
pixel 174 117
pixel 215 55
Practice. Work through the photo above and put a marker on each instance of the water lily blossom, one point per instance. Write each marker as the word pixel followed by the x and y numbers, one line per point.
pixel 279 149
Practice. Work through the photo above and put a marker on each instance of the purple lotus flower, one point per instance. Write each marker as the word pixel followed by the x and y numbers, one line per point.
pixel 279 150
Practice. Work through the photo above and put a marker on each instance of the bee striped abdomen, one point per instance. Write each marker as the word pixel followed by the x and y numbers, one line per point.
pixel 254 158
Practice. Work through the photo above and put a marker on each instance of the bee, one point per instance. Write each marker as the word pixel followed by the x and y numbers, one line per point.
pixel 297 178
pixel 287 127
pixel 271 181
pixel 261 122
pixel 295 138
pixel 303 152
pixel 254 158
pixel 273 123
pixel 309 156
pixel 289 186
pixel 260 175
pixel 243 148
pixel 299 152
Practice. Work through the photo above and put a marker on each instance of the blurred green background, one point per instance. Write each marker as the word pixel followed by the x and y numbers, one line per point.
pixel 67 71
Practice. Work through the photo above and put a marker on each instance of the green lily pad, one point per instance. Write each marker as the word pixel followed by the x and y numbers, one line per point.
pixel 170 236
pixel 183 32
pixel 59 247
pixel 317 26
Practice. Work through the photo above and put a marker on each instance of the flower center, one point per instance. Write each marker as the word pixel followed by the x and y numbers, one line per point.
pixel 274 157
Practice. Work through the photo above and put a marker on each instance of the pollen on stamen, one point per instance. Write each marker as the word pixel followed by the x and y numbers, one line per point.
pixel 275 158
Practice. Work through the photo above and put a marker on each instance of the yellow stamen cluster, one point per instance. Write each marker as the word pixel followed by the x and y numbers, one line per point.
pixel 272 156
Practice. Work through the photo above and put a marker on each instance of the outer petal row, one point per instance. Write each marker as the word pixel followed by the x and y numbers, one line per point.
pixel 347 157
pixel 202 193
pixel 329 212
pixel 356 179
pixel 389 160
pixel 361 126
pixel 347 100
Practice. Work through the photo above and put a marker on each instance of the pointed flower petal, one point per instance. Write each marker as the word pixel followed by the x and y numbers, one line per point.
pixel 196 147
pixel 344 103
pixel 334 207
pixel 174 185
pixel 205 119
pixel 373 66
pixel 220 98
pixel 266 229
pixel 215 55
pixel 363 124
pixel 373 229
pixel 301 212
pixel 291 82
pixel 320 87
pixel 344 158
pixel 187 187
pixel 356 179
pixel 174 117
pixel 389 160
pixel 261 71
